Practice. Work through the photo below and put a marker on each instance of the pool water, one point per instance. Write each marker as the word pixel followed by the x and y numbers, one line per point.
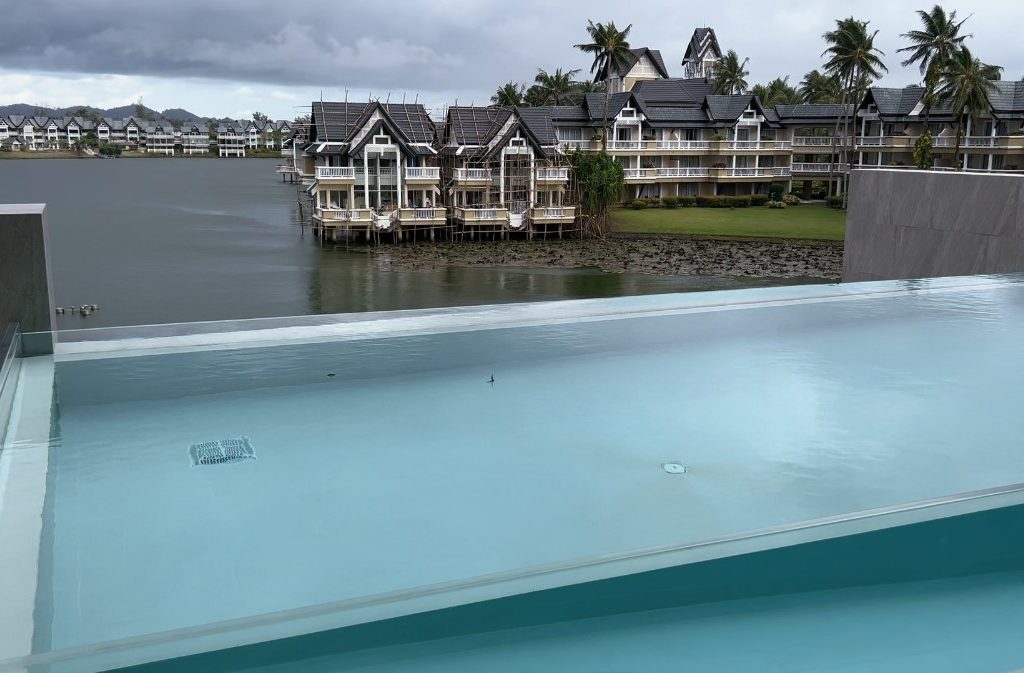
pixel 386 462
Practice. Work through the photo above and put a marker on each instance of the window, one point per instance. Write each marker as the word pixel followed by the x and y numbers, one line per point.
pixel 569 133
pixel 382 140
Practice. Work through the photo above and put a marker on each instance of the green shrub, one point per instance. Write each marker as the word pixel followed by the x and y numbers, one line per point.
pixel 639 204
pixel 653 202
pixel 776 192
pixel 791 200
pixel 687 201
pixel 758 199
pixel 777 204
pixel 717 137
pixel 837 202
pixel 670 201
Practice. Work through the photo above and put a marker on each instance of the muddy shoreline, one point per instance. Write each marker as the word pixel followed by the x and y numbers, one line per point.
pixel 649 254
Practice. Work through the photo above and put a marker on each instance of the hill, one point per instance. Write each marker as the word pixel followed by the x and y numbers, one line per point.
pixel 25 109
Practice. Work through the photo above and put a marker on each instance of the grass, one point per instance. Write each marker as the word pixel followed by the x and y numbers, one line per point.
pixel 805 221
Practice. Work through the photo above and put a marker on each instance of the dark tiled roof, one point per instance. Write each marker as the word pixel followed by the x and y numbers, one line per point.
pixel 679 115
pixel 895 102
pixel 338 122
pixel 675 91
pixel 728 108
pixel 811 112
pixel 1008 97
pixel 694 48
pixel 594 104
pixel 474 125
pixel 540 121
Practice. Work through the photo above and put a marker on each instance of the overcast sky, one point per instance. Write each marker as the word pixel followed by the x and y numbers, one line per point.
pixel 228 59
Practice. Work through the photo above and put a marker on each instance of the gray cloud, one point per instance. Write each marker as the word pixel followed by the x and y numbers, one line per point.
pixel 441 45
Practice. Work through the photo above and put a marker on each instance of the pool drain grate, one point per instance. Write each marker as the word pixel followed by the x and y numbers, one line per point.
pixel 221 451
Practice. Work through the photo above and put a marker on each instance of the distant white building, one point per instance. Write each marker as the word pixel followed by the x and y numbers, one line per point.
pixel 231 139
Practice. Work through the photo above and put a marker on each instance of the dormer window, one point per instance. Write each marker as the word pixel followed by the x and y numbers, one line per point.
pixel 382 140
pixel 517 142
pixel 628 112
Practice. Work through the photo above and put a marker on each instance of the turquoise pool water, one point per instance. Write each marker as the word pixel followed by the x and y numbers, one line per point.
pixel 387 461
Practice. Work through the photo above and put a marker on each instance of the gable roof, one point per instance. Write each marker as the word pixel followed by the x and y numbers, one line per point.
pixel 673 91
pixel 806 113
pixel 703 39
pixel 339 122
pixel 893 104
pixel 653 54
pixel 1008 99
pixel 474 125
pixel 593 103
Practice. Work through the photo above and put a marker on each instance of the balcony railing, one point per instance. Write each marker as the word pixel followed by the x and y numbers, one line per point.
pixel 814 141
pixel 344 215
pixel 658 145
pixel 335 172
pixel 475 174
pixel 681 172
pixel 421 214
pixel 577 144
pixel 553 213
pixel 553 174
pixel 818 167
pixel 422 173
pixel 757 145
pixel 779 171
pixel 481 214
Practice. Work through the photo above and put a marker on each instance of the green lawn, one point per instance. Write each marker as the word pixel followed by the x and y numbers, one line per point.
pixel 805 221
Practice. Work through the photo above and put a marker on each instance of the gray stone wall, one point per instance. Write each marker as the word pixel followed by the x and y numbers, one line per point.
pixel 26 289
pixel 927 224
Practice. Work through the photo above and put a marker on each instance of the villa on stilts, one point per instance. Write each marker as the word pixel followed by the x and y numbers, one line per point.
pixel 375 172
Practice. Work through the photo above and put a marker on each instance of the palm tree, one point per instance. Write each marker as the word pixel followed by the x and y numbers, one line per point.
pixel 581 89
pixel 554 87
pixel 610 48
pixel 854 60
pixel 509 94
pixel 817 87
pixel 931 48
pixel 730 74
pixel 776 92
pixel 966 88
pixel 534 96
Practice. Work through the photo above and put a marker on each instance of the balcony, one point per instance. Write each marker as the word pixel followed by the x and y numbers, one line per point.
pixel 552 174
pixel 818 168
pixel 473 175
pixel 566 145
pixel 335 173
pixel 680 173
pixel 553 214
pixel 659 146
pixel 421 216
pixel 751 173
pixel 481 215
pixel 343 216
pixel 416 173
pixel 814 141
pixel 754 145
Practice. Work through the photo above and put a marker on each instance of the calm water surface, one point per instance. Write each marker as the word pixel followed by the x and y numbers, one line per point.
pixel 169 240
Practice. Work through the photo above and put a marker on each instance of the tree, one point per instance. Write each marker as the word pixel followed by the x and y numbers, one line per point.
pixel 776 92
pixel 260 117
pixel 730 74
pixel 610 49
pixel 509 94
pixel 931 48
pixel 817 87
pixel 598 181
pixel 534 96
pixel 554 87
pixel 581 89
pixel 966 88
pixel 854 60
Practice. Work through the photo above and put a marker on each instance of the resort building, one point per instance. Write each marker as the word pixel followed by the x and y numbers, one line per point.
pixel 231 139
pixel 160 137
pixel 504 171
pixel 195 138
pixel 374 170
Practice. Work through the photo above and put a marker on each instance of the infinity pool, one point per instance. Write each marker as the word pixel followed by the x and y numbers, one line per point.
pixel 202 476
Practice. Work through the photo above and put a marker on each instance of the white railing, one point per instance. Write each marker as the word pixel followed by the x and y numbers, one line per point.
pixel 758 144
pixel 576 144
pixel 682 145
pixel 422 173
pixel 408 214
pixel 549 174
pixel 480 214
pixel 755 172
pixel 335 172
pixel 630 145
pixel 638 173
pixel 472 174
pixel 681 172
pixel 871 141
pixel 553 212
pixel 343 215
pixel 814 141
pixel 803 167
pixel 781 171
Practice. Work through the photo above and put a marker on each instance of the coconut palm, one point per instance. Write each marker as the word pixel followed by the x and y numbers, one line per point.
pixel 509 94
pixel 556 86
pixel 966 88
pixel 931 47
pixel 776 92
pixel 730 74
pixel 854 60
pixel 610 49
pixel 581 89
pixel 817 87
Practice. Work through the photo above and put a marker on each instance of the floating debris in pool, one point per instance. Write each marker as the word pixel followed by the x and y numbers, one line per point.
pixel 221 451
pixel 674 468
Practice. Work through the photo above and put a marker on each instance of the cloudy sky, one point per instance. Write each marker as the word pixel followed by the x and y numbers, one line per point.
pixel 228 59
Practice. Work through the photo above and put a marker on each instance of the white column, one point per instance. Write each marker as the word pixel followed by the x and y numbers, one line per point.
pixel 991 157
pixel 399 167
pixel 366 178
pixel 735 139
pixel 881 142
pixel 501 179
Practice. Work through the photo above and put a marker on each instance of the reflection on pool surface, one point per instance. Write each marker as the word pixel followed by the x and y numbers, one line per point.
pixel 382 458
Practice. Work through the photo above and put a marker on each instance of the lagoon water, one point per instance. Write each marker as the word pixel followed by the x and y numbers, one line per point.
pixel 172 240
